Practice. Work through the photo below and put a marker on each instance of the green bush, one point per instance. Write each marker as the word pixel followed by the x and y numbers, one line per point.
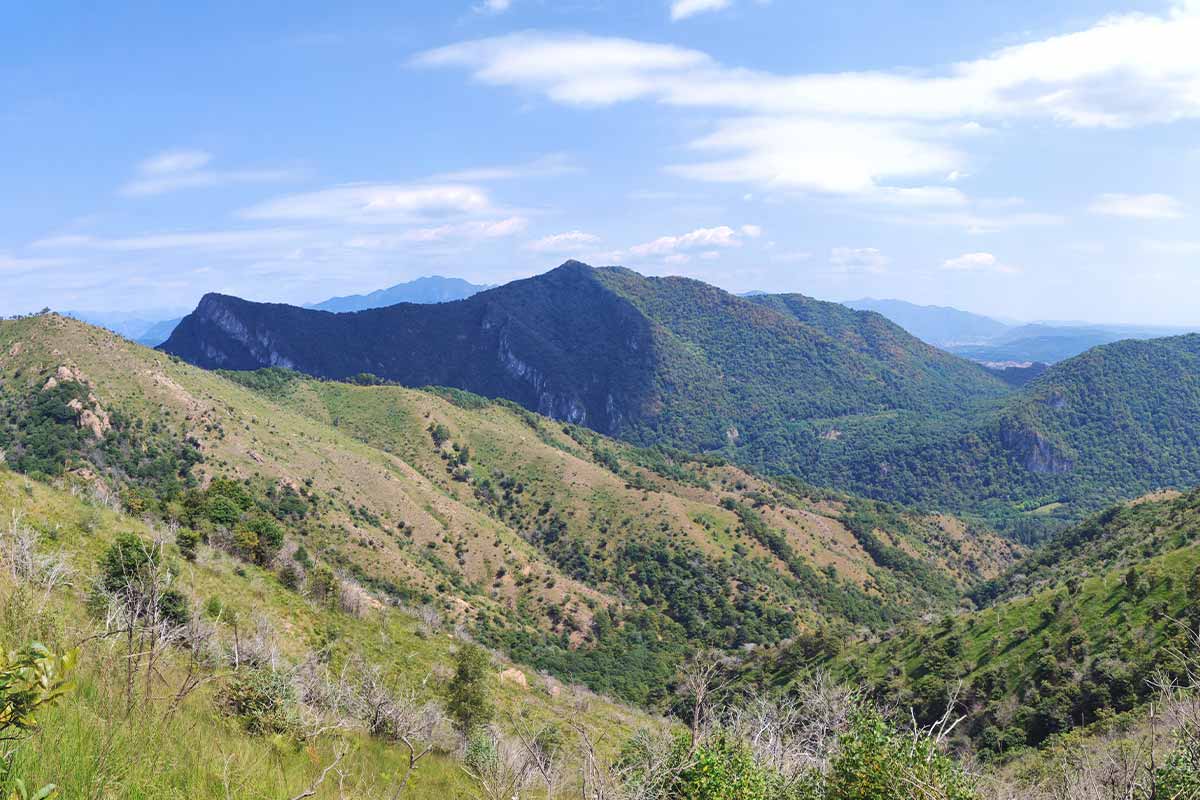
pixel 874 761
pixel 469 692
pixel 264 701
pixel 187 540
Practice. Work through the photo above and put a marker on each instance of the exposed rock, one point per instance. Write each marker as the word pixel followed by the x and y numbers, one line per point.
pixel 97 421
pixel 16 349
pixel 1034 449
pixel 515 677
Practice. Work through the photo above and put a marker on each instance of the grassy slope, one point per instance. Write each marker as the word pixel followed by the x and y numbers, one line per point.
pixel 560 466
pixel 90 749
pixel 1068 634
pixel 392 514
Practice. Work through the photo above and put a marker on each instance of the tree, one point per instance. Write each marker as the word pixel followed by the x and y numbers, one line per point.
pixel 469 692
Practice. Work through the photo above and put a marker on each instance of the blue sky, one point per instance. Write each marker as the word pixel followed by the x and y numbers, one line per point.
pixel 1026 159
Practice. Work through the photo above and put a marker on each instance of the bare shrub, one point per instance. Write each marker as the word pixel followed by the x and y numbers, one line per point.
pixel 794 734
pixel 498 767
pixel 20 554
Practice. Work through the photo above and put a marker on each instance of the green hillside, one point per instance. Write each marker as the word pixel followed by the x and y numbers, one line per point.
pixel 168 731
pixel 571 552
pixel 1111 424
pixel 309 542
pixel 1073 636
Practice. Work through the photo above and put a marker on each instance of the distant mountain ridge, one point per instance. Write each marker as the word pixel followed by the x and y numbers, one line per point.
pixel 942 326
pixel 429 289
pixel 993 342
pixel 649 359
pixel 143 327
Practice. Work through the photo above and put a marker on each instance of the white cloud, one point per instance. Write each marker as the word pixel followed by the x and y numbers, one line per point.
pixel 569 242
pixel 700 239
pixel 1137 206
pixel 205 240
pixel 171 161
pixel 977 262
pixel 682 9
pixel 858 259
pixel 1124 70
pixel 173 170
pixel 494 6
pixel 375 203
pixel 14 265
pixel 458 232
pixel 547 166
pixel 854 133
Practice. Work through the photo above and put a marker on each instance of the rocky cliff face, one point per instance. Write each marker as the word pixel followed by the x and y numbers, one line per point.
pixel 560 344
pixel 1034 449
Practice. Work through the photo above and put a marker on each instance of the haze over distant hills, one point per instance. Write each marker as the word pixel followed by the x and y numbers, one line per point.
pixel 939 325
pixel 431 289
pixel 988 340
pixel 151 328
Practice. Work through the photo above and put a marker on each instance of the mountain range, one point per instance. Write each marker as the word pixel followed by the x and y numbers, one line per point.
pixel 648 359
pixel 781 383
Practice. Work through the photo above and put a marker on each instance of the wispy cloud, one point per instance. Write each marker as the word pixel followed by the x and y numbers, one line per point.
pixel 977 262
pixel 15 265
pixel 375 203
pixel 1138 206
pixel 563 243
pixel 551 165
pixel 1172 248
pixel 494 6
pixel 858 260
pixel 194 240
pixel 674 249
pixel 682 9
pixel 853 133
pixel 174 170
pixel 459 232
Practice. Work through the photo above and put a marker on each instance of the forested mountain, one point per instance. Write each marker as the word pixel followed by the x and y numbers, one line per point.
pixel 649 359
pixel 306 511
pixel 939 325
pixel 1115 422
pixel 783 383
pixel 430 289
